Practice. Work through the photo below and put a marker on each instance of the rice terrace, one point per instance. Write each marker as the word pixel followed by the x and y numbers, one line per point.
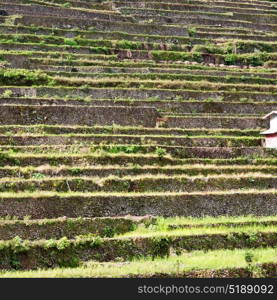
pixel 138 138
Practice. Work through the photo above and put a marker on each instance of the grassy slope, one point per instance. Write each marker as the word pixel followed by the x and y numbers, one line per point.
pixel 197 260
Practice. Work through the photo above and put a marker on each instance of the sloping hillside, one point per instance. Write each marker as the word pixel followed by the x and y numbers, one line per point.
pixel 130 138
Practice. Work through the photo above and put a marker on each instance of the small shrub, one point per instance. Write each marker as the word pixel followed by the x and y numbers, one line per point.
pixel 192 31
pixel 108 232
pixel 160 152
pixel 38 175
pixel 18 245
pixel 63 243
pixel 70 42
pixel 249 256
pixel 231 59
pixel 66 5
pixel 161 247
pixel 21 77
pixel 7 94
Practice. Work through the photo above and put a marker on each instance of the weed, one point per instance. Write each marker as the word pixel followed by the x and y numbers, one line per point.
pixel 160 152
pixel 7 94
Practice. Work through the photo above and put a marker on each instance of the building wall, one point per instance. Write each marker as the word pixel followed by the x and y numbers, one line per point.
pixel 271 141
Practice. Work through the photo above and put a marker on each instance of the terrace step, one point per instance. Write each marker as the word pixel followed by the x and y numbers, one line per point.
pixel 165 76
pixel 94 34
pixel 44 129
pixel 102 25
pixel 242 60
pixel 141 184
pixel 228 36
pixel 138 49
pixel 120 82
pixel 159 150
pixel 40 205
pixel 71 4
pixel 136 160
pixel 194 265
pixel 36 10
pixel 127 130
pixel 48 21
pixel 145 65
pixel 166 107
pixel 257 22
pixel 188 7
pixel 66 252
pixel 229 224
pixel 236 3
pixel 134 67
pixel 90 140
pixel 214 122
pixel 70 228
pixel 66 115
pixel 102 171
pixel 229 32
pixel 139 94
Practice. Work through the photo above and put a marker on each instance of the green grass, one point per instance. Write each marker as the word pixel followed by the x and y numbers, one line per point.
pixel 196 260
pixel 42 194
pixel 23 77
pixel 211 220
pixel 161 230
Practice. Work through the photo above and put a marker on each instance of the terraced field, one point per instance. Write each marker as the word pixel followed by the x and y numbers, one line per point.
pixel 130 138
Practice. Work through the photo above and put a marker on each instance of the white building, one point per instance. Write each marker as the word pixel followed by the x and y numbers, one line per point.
pixel 270 140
